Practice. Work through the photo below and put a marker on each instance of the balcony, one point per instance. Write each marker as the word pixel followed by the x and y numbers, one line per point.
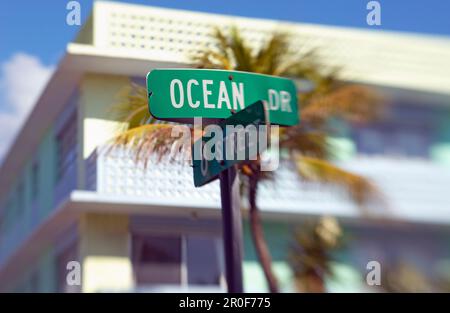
pixel 414 189
pixel 117 175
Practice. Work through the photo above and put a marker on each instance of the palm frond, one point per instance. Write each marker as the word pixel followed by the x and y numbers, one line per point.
pixel 212 60
pixel 272 55
pixel 151 142
pixel 361 190
pixel 223 46
pixel 132 106
pixel 217 57
pixel 241 52
pixel 307 142
pixel 352 102
pixel 311 255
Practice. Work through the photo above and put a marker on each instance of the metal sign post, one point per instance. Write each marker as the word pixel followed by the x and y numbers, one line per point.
pixel 207 170
pixel 232 229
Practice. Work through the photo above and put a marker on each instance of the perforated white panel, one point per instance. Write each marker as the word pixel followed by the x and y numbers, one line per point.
pixel 380 57
pixel 403 187
pixel 119 174
pixel 172 32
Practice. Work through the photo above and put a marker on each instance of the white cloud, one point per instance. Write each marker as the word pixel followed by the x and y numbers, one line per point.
pixel 22 79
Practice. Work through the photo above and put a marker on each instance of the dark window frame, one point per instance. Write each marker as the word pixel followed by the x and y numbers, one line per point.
pixel 67 141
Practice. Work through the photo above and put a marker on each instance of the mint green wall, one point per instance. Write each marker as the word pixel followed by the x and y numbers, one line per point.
pixel 23 219
pixel 47 172
pixel 21 285
pixel 47 270
pixel 40 276
pixel 47 156
pixel 440 150
pixel 278 236
pixel 30 195
pixel 10 205
pixel 20 218
pixel 342 148
pixel 20 210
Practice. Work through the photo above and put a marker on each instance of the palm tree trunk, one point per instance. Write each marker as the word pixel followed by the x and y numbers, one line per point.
pixel 258 236
pixel 315 283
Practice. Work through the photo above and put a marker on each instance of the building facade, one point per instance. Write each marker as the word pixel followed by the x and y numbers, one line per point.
pixel 136 228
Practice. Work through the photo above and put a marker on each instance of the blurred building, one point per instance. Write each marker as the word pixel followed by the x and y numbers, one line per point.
pixel 132 228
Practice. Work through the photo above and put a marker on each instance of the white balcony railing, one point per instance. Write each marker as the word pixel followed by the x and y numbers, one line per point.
pixel 414 190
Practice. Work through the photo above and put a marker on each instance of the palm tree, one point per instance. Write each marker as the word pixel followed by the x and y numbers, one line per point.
pixel 311 253
pixel 403 276
pixel 305 143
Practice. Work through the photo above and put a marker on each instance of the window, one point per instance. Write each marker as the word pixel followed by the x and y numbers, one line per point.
pixel 157 260
pixel 202 261
pixel 3 216
pixel 7 215
pixel 406 130
pixel 20 199
pixel 35 179
pixel 66 142
pixel 394 140
pixel 176 260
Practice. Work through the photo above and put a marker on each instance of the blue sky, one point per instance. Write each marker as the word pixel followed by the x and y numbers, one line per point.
pixel 34 34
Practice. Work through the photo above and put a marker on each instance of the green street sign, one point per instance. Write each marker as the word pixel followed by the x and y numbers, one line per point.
pixel 181 94
pixel 239 138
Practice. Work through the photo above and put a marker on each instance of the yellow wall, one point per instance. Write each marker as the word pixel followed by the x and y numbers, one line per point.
pixel 105 253
pixel 98 95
